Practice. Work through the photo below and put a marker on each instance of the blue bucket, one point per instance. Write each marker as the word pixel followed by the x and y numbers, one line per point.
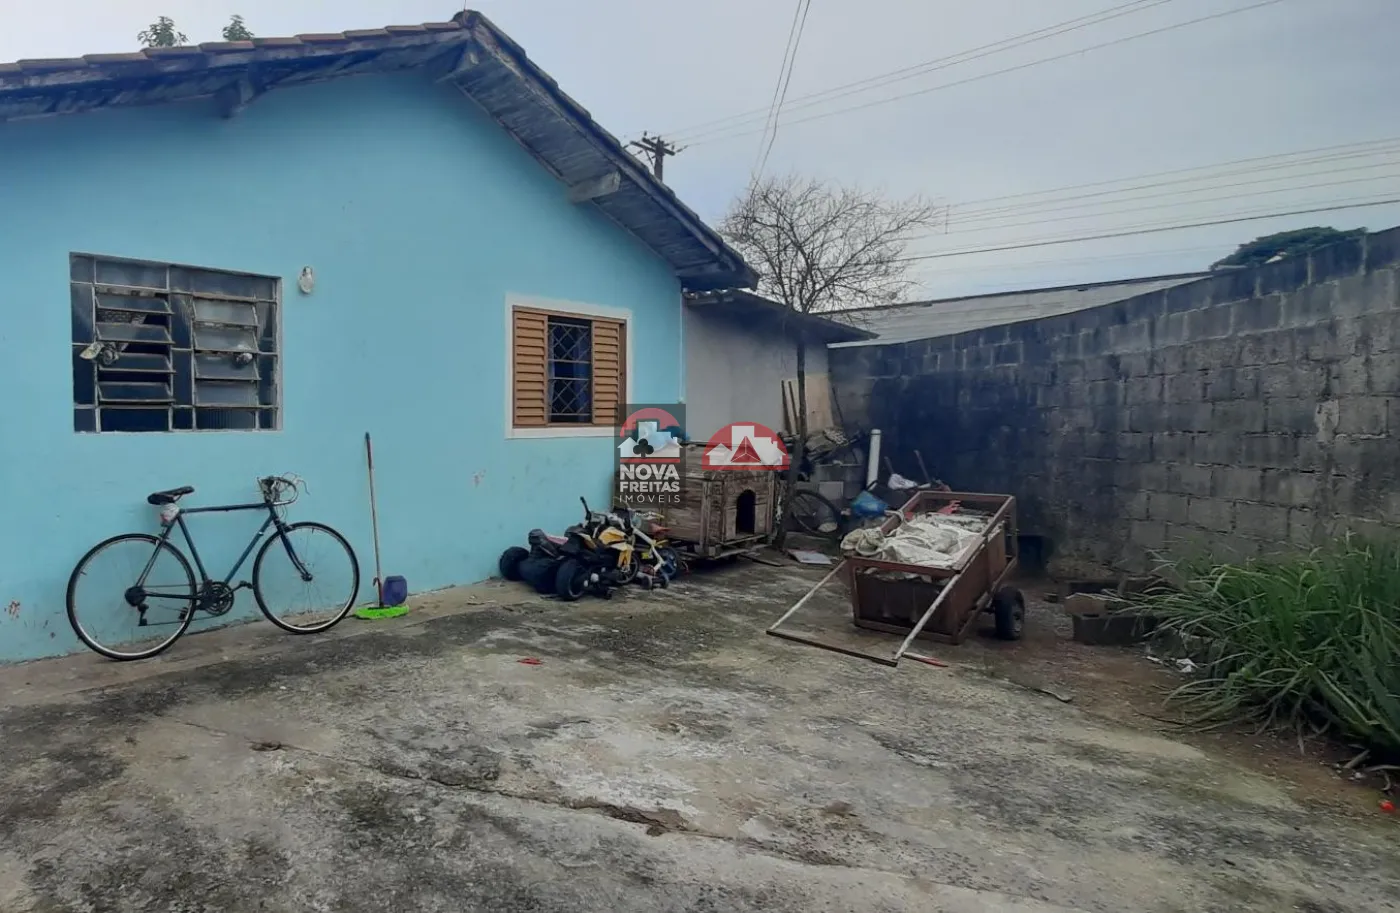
pixel 394 592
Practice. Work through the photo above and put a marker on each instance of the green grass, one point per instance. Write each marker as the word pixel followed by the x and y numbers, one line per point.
pixel 1310 642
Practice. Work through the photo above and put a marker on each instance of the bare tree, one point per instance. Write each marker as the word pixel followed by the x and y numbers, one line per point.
pixel 821 247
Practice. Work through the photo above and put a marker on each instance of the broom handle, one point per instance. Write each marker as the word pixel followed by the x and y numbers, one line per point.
pixel 374 520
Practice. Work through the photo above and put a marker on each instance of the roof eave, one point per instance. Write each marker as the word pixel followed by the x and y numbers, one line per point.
pixel 721 266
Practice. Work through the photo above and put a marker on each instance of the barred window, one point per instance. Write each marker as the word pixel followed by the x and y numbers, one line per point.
pixel 567 369
pixel 161 347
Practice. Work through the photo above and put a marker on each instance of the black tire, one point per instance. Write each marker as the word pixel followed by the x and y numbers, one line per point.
pixel 510 562
pixel 1009 610
pixel 539 571
pixel 815 515
pixel 571 581
pixel 188 600
pixel 280 540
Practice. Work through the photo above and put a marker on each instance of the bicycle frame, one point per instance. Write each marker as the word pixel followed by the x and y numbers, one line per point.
pixel 167 527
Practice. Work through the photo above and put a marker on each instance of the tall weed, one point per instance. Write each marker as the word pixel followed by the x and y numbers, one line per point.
pixel 1306 641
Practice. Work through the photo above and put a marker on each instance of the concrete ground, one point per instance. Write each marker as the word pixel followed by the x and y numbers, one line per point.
pixel 664 756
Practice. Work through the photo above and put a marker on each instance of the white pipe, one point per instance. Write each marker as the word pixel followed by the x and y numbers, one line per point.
pixel 872 464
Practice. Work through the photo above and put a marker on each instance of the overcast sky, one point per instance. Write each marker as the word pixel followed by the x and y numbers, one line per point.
pixel 1291 76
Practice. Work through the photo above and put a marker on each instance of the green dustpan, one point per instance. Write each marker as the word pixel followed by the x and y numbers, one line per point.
pixel 372 612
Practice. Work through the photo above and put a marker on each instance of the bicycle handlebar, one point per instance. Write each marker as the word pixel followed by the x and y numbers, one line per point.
pixel 276 488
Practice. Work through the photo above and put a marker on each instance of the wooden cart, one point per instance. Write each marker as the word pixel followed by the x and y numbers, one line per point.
pixel 933 603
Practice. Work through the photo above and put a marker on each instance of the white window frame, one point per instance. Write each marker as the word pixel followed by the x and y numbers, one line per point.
pixel 563 309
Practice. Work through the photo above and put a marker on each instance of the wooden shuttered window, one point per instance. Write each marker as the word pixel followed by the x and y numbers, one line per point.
pixel 609 371
pixel 530 338
pixel 568 370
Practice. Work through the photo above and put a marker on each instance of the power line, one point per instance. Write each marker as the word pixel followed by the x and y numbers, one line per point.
pixel 1275 161
pixel 778 110
pixel 1149 230
pixel 1013 69
pixel 1357 147
pixel 997 220
pixel 1077 261
pixel 782 68
pixel 927 66
pixel 1095 215
pixel 1178 187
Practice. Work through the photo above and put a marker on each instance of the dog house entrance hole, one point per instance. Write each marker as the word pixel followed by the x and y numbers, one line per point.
pixel 745 514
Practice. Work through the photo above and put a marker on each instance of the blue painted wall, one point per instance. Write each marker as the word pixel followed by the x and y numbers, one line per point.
pixel 419 216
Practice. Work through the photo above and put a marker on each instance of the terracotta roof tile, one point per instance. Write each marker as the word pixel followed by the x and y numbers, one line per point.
pixel 132 57
pixel 368 33
pixel 50 63
pixel 221 47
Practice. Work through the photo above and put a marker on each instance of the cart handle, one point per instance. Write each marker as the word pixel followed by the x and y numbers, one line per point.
pixel 882 660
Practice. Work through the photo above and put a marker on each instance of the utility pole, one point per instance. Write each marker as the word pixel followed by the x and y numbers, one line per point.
pixel 656 149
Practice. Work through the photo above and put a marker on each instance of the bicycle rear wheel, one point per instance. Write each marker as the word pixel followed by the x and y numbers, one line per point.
pixel 110 577
pixel 306 578
pixel 814 515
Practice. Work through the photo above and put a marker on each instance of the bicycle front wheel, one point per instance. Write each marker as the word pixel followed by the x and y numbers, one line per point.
pixel 131 596
pixel 306 578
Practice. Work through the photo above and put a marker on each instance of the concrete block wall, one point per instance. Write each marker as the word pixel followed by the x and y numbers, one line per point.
pixel 1245 413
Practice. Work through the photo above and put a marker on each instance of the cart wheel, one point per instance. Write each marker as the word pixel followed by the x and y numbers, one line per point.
pixel 1009 609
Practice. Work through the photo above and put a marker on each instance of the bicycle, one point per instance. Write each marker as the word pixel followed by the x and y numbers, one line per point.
pixel 813 514
pixel 655 558
pixel 148 593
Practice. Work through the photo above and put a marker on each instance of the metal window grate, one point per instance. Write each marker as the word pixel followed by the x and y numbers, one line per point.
pixel 570 370
pixel 160 347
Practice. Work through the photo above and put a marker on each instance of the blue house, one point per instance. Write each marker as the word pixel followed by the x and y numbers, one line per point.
pixel 271 247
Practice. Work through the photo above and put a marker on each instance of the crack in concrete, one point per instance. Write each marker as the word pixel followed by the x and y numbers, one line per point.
pixel 658 822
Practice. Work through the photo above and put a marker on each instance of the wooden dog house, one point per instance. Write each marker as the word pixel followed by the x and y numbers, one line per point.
pixel 722 511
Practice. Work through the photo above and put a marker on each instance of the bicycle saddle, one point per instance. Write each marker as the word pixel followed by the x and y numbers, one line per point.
pixel 171 496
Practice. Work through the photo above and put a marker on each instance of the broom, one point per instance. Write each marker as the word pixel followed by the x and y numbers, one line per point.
pixel 379 609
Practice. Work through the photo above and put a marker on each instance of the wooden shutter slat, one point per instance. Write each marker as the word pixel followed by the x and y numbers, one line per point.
pixel 529 343
pixel 609 361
